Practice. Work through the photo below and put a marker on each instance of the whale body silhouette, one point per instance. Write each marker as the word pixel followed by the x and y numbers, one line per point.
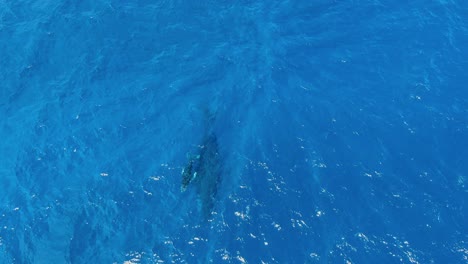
pixel 203 172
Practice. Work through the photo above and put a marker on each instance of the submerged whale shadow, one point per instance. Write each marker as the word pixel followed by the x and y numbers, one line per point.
pixel 203 172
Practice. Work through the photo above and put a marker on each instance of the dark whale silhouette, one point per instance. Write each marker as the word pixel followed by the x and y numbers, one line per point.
pixel 203 172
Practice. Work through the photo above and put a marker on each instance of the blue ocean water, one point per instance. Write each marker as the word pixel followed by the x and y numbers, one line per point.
pixel 321 131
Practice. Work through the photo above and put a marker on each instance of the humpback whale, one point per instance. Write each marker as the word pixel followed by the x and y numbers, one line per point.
pixel 203 172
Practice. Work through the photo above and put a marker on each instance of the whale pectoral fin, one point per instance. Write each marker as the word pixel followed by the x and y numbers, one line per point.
pixel 194 176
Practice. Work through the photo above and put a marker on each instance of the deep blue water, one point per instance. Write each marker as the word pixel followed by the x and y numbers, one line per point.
pixel 341 131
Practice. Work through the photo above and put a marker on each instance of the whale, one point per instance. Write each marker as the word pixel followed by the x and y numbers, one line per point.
pixel 203 173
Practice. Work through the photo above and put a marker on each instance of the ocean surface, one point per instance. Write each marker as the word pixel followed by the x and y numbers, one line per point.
pixel 169 131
